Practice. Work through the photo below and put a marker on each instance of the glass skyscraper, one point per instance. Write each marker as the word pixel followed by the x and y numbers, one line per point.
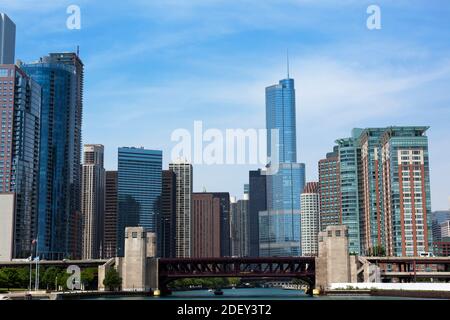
pixel 350 182
pixel 60 165
pixel 279 226
pixel 20 107
pixel 139 191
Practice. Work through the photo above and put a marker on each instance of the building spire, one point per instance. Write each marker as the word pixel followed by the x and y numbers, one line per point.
pixel 287 60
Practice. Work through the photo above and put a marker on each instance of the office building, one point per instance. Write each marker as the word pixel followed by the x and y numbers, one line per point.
pixel 111 212
pixel 233 228
pixel 279 226
pixel 139 190
pixel 330 190
pixel 310 219
pixel 438 217
pixel 225 232
pixel 206 225
pixel 60 231
pixel 441 248
pixel 183 172
pixel 7 40
pixel 445 229
pixel 167 231
pixel 240 226
pixel 20 107
pixel 93 201
pixel 257 203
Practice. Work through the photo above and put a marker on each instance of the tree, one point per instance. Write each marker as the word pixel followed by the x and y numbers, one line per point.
pixel 378 251
pixel 11 278
pixel 3 279
pixel 90 278
pixel 112 280
pixel 49 278
pixel 234 281
pixel 63 276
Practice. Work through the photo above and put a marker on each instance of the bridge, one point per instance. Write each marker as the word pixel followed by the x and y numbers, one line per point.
pixel 302 268
pixel 410 269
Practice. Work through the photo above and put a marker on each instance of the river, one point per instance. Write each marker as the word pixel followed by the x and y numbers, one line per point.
pixel 251 294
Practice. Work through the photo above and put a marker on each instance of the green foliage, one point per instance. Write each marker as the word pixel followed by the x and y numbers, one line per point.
pixel 10 278
pixel 210 283
pixel 48 278
pixel 62 279
pixel 112 281
pixel 89 277
pixel 377 251
pixel 234 281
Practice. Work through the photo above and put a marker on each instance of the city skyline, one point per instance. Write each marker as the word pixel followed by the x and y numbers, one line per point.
pixel 339 67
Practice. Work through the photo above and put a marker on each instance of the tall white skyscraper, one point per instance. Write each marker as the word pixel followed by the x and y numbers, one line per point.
pixel 7 40
pixel 93 201
pixel 310 219
pixel 183 172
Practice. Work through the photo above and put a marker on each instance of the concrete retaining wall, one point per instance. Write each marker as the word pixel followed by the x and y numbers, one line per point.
pixel 394 286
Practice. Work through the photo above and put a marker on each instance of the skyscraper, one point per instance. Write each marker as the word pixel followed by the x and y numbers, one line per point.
pixel 371 193
pixel 225 233
pixel 385 192
pixel 111 212
pixel 279 226
pixel 257 204
pixel 350 189
pixel 406 195
pixel 7 40
pixel 206 225
pixel 310 219
pixel 239 216
pixel 73 60
pixel 167 232
pixel 59 234
pixel 330 190
pixel 139 190
pixel 93 201
pixel 20 107
pixel 183 172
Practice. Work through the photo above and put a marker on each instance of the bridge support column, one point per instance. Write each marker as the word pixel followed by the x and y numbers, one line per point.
pixel 333 262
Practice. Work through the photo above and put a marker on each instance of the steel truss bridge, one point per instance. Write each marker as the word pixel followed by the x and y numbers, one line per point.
pixel 302 268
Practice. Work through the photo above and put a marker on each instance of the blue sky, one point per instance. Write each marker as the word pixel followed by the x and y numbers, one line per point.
pixel 156 66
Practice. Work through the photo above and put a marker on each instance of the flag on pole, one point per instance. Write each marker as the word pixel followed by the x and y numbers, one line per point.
pixel 30 258
pixel 37 259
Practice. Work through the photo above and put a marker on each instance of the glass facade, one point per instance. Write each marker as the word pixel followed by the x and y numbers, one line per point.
pixel 257 203
pixel 349 154
pixel 58 167
pixel 20 107
pixel 279 226
pixel 385 190
pixel 139 190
